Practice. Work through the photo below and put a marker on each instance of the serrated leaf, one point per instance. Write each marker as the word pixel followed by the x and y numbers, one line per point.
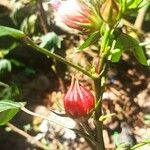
pixel 4 31
pixel 51 40
pixel 126 43
pixel 8 110
pixel 90 40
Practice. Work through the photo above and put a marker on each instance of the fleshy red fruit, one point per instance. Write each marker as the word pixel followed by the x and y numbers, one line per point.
pixel 78 101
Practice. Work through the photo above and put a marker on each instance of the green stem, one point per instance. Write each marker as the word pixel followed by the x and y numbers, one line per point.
pixel 104 49
pixel 98 124
pixel 105 39
pixel 99 88
pixel 29 42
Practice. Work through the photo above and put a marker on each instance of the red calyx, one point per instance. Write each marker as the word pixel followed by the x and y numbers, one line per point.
pixel 78 101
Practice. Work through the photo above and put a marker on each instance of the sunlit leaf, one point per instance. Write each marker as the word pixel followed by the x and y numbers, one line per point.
pixel 128 43
pixel 8 110
pixel 8 104
pixel 4 31
pixel 136 4
pixel 115 55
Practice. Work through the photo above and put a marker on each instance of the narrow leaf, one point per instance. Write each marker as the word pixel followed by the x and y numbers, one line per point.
pixel 4 31
pixel 8 104
pixel 90 40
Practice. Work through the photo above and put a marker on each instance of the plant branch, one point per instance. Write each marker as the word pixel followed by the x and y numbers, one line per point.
pixel 29 42
pixel 99 86
pixel 27 136
pixel 43 117
pixel 46 118
pixel 104 49
pixel 42 16
pixel 98 124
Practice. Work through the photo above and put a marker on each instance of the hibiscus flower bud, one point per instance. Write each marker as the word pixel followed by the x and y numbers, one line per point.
pixel 78 101
pixel 76 14
pixel 109 11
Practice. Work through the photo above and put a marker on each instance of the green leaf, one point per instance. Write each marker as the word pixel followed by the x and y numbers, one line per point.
pixel 29 24
pixel 8 110
pixel 50 40
pixel 5 65
pixel 136 4
pixel 4 31
pixel 140 56
pixel 8 104
pixel 122 147
pixel 126 43
pixel 115 55
pixel 90 40
pixel 104 117
pixel 9 92
pixel 5 51
pixel 6 116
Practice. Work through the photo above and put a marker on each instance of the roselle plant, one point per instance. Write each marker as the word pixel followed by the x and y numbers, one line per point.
pixel 100 20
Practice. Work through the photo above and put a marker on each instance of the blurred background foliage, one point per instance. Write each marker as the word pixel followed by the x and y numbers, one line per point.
pixel 34 18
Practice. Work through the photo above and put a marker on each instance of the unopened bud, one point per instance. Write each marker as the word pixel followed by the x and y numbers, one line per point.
pixel 78 101
pixel 109 11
